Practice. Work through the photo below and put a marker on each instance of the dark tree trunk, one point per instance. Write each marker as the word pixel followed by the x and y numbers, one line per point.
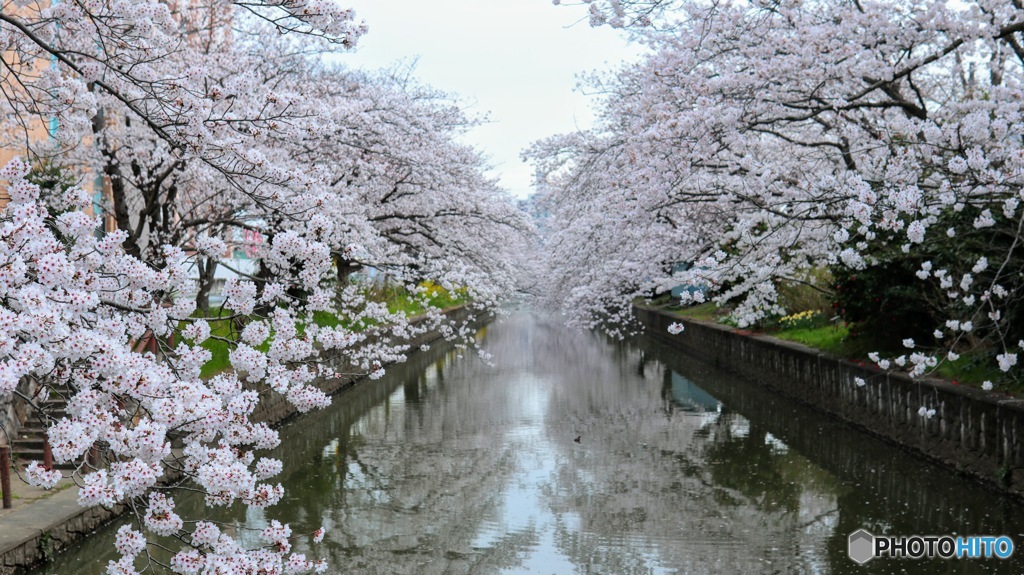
pixel 207 269
pixel 262 278
pixel 345 270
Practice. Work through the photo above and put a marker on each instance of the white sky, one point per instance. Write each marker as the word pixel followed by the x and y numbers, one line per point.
pixel 514 60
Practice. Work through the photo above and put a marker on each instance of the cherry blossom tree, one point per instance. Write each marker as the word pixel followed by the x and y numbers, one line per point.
pixel 158 197
pixel 207 119
pixel 73 307
pixel 152 58
pixel 623 13
pixel 759 140
pixel 415 202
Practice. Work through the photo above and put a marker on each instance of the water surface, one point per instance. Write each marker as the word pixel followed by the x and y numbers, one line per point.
pixel 578 454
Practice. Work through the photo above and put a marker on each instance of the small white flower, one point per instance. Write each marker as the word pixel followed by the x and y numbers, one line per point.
pixel 984 220
pixel 859 381
pixel 966 281
pixel 916 231
pixel 1006 361
pixel 675 328
pixel 957 165
pixel 987 386
pixel 908 343
pixel 1010 207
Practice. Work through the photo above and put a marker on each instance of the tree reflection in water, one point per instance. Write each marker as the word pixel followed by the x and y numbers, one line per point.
pixel 448 465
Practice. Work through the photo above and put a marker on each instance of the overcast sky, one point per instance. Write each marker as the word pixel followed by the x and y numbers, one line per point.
pixel 515 60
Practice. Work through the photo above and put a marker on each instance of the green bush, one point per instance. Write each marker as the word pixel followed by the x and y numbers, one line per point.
pixel 887 301
pixel 884 303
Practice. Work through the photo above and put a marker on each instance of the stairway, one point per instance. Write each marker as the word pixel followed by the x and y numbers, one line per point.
pixel 28 446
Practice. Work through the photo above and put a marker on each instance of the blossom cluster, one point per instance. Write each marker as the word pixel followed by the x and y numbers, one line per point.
pixel 75 332
pixel 756 144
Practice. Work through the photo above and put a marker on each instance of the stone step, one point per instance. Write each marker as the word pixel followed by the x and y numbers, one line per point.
pixel 52 403
pixel 31 442
pixel 56 415
pixel 25 456
pixel 37 423
pixel 32 430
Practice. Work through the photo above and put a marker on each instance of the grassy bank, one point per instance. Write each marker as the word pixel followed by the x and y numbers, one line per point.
pixel 815 330
pixel 225 331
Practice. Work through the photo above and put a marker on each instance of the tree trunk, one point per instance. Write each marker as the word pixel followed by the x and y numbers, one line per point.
pixel 207 270
pixel 262 278
pixel 345 270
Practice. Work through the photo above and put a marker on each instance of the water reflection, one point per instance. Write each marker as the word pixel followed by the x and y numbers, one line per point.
pixel 451 466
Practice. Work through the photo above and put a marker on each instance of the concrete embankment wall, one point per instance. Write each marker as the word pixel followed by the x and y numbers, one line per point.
pixel 51 524
pixel 978 433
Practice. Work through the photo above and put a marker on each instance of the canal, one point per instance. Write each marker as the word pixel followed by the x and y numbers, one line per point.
pixel 574 453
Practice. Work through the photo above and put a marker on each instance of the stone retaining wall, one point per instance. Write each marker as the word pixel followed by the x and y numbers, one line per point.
pixel 978 433
pixel 40 547
pixel 10 423
pixel 14 412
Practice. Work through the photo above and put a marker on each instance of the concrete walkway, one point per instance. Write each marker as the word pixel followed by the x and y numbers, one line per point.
pixel 43 522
